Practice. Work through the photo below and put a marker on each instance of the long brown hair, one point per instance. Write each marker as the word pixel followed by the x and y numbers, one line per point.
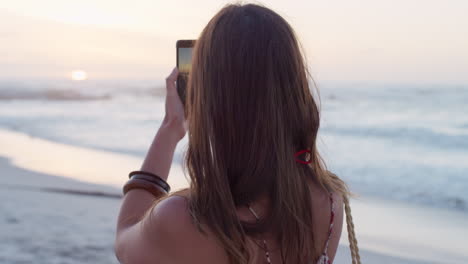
pixel 249 110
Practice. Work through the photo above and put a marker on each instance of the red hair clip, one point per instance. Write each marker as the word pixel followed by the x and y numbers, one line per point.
pixel 302 152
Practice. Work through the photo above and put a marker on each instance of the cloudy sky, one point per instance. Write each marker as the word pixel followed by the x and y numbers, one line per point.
pixel 392 41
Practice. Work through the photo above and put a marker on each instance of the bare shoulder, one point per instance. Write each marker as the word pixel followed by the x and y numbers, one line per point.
pixel 175 235
pixel 170 223
pixel 170 215
pixel 170 211
pixel 338 201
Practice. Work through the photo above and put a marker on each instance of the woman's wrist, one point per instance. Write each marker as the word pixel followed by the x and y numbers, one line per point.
pixel 169 131
pixel 174 127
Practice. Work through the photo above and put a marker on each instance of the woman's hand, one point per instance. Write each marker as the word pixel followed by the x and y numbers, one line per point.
pixel 174 120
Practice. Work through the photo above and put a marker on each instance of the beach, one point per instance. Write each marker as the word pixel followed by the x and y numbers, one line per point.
pixel 54 213
pixel 83 88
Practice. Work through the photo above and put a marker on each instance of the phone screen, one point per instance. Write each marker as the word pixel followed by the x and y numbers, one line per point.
pixel 184 64
pixel 185 60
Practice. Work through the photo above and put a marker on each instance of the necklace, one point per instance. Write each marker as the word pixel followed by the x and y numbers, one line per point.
pixel 265 248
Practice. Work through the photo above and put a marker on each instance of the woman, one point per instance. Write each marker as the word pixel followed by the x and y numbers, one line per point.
pixel 252 197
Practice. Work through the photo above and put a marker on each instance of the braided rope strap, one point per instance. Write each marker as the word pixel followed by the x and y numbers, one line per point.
pixel 353 245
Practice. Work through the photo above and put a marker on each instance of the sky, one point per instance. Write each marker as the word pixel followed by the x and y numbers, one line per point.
pixel 387 41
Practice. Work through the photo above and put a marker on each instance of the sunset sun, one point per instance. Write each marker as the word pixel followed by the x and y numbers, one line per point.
pixel 79 75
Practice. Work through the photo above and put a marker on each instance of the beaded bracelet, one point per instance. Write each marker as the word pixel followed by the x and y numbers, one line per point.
pixel 150 177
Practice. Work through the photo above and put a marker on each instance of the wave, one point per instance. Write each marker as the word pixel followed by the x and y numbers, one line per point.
pixel 50 94
pixel 91 90
pixel 64 190
pixel 435 186
pixel 423 136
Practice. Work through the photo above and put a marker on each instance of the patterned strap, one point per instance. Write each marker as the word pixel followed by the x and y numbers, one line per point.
pixel 332 217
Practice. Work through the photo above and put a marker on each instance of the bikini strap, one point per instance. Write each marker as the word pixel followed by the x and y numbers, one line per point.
pixel 332 218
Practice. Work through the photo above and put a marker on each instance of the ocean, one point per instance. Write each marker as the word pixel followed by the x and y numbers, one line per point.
pixel 392 141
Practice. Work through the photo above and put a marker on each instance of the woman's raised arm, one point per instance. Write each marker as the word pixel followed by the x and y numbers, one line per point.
pixel 134 230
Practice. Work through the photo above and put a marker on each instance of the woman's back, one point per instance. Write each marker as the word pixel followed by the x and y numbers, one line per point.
pixel 328 213
pixel 189 245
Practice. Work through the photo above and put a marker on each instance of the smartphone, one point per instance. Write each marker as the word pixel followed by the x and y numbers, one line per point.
pixel 184 64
